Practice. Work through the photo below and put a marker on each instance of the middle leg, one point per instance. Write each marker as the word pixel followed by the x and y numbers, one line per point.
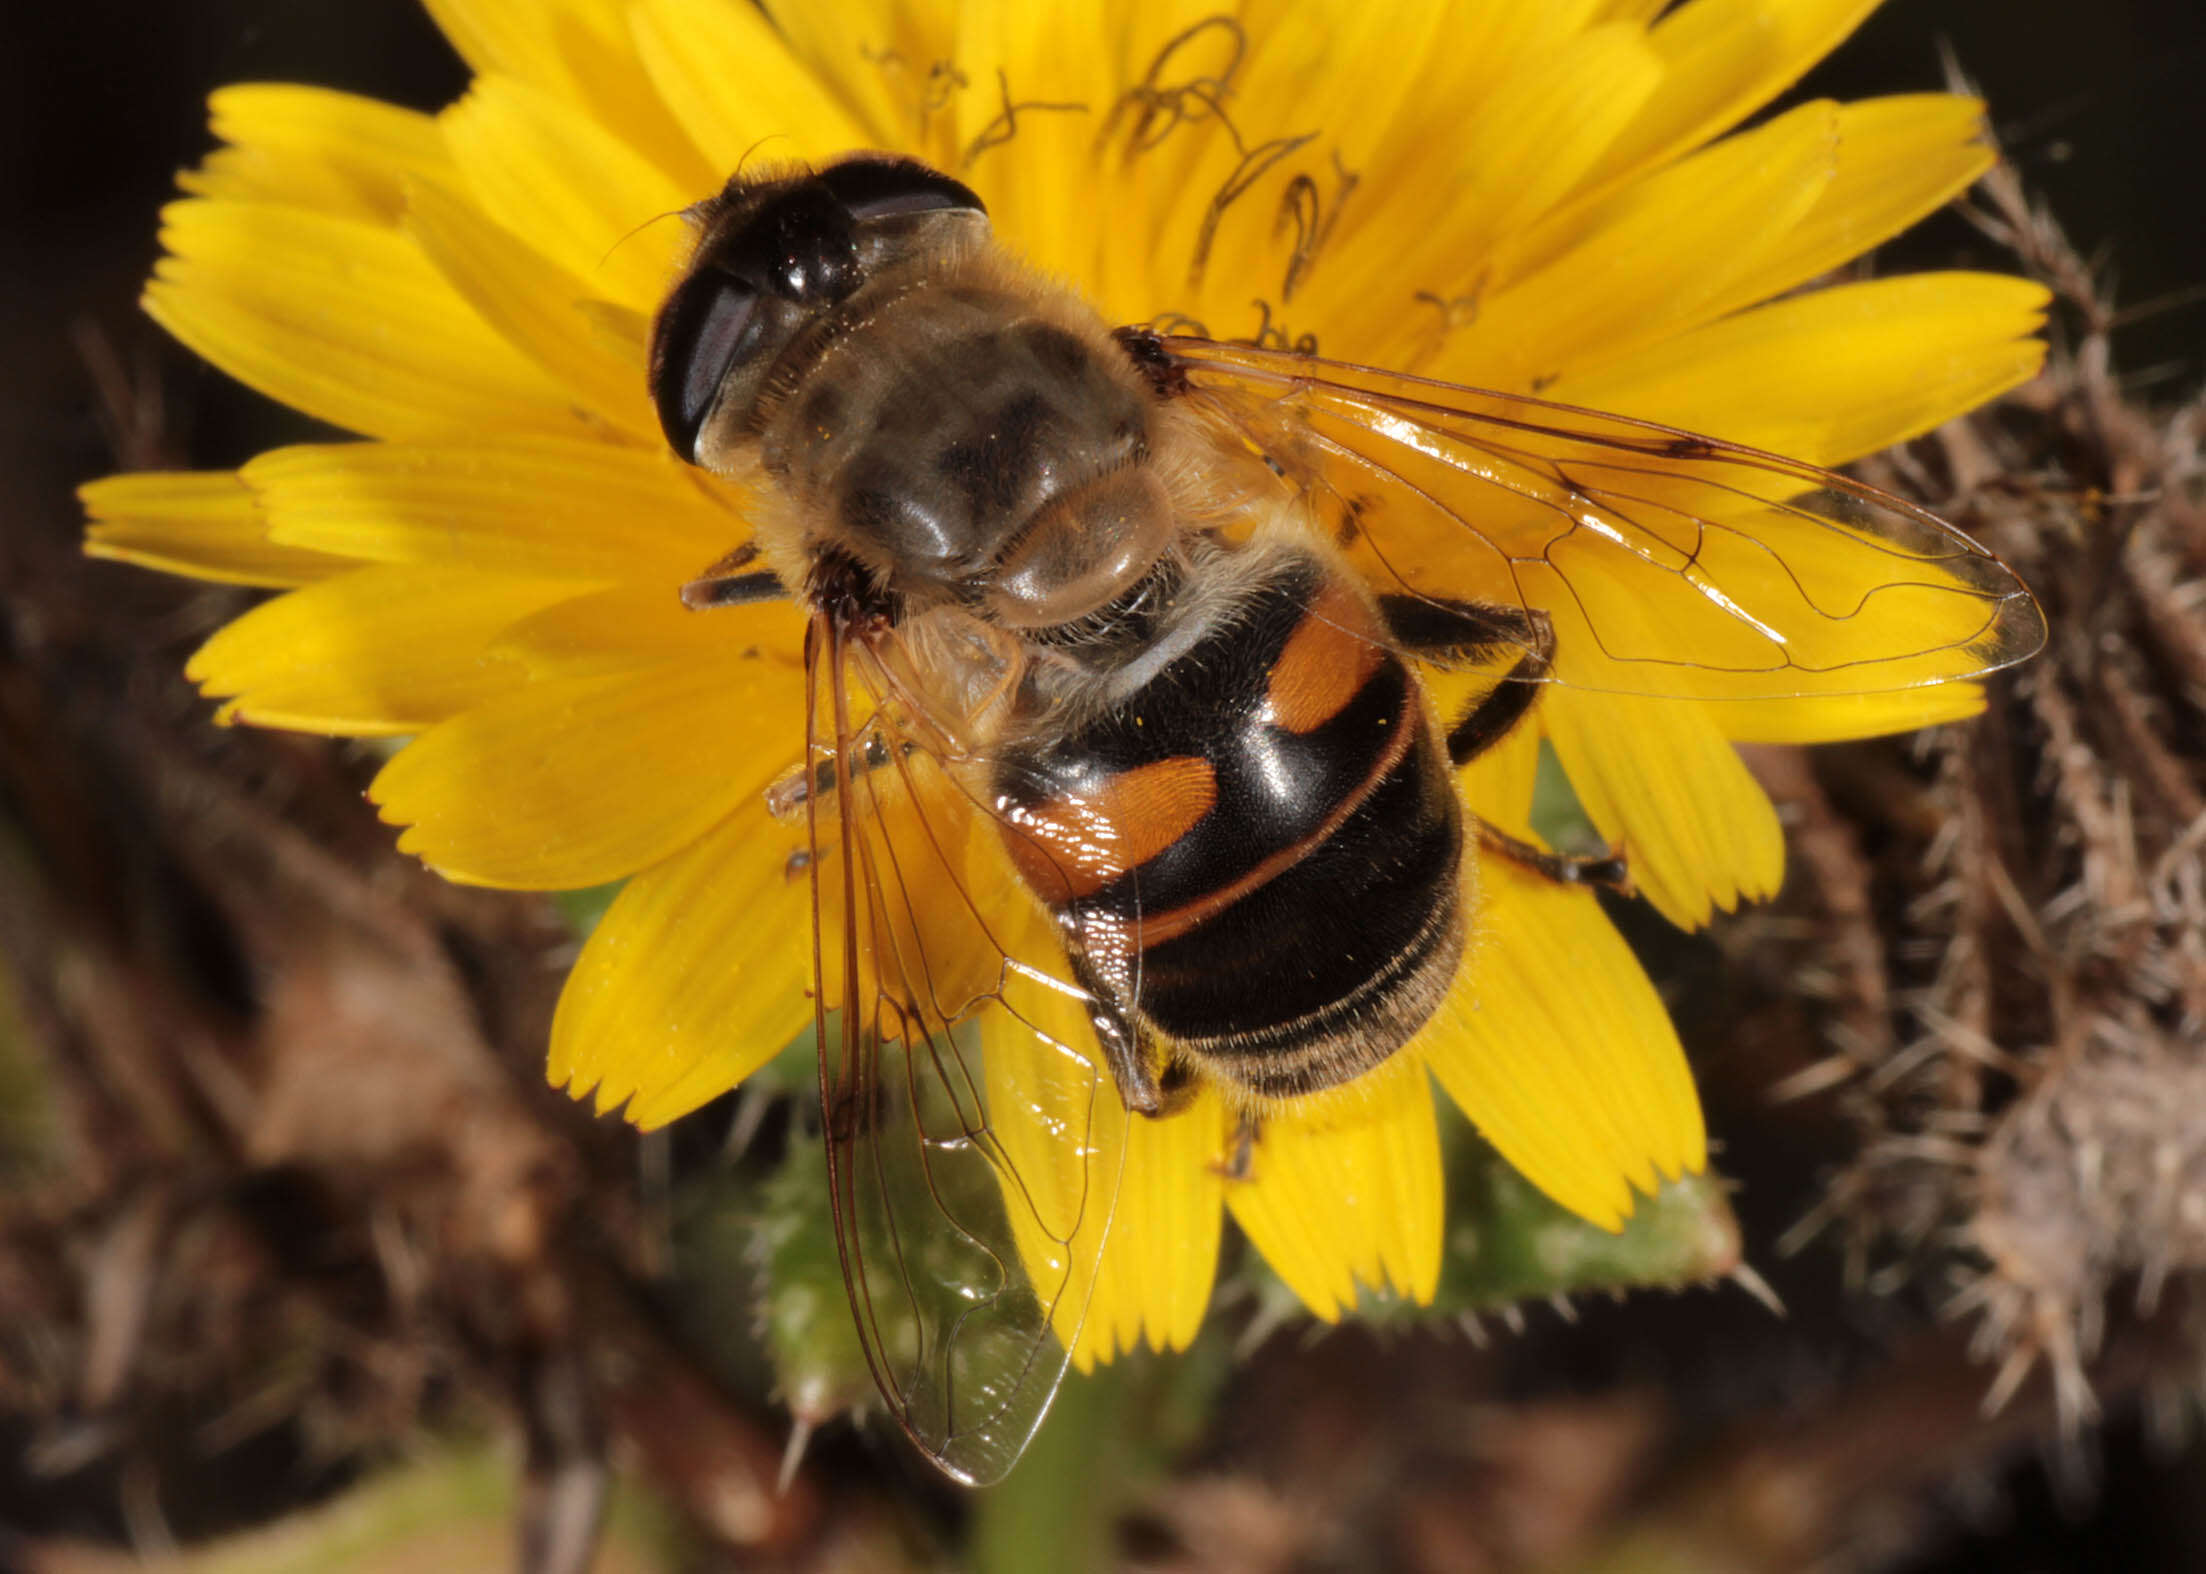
pixel 1473 632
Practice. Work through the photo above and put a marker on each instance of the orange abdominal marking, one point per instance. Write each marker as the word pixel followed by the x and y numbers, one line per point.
pixel 1073 847
pixel 1325 662
pixel 1156 928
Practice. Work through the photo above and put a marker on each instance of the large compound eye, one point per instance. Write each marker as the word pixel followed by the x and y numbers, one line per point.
pixel 706 329
pixel 871 188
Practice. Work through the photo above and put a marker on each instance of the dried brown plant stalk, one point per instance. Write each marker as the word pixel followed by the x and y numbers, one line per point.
pixel 2012 938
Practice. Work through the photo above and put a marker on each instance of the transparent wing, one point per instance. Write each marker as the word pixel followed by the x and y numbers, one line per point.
pixel 1669 563
pixel 974 1137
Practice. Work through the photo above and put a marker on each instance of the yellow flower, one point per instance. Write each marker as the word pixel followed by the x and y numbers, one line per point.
pixel 1520 194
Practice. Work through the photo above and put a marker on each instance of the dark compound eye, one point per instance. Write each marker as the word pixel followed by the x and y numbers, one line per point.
pixel 788 252
pixel 707 327
pixel 887 188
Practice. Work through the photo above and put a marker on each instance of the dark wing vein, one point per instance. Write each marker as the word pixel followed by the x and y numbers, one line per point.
pixel 969 1239
pixel 1671 563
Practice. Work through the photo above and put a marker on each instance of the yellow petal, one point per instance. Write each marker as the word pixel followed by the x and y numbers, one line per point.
pixel 202 523
pixel 1724 60
pixel 578 196
pixel 1498 785
pixel 1558 1049
pixel 578 781
pixel 694 49
pixel 1062 1138
pixel 618 630
pixel 1345 1188
pixel 1067 1137
pixel 543 311
pixel 1899 159
pixel 345 320
pixel 1564 111
pixel 1480 52
pixel 1641 265
pixel 580 51
pixel 697 974
pixel 1518 153
pixel 312 147
pixel 1157 131
pixel 1038 55
pixel 543 508
pixel 1658 776
pixel 524 40
pixel 1350 69
pixel 1840 716
pixel 375 652
pixel 1154 1282
pixel 1837 373
pixel 879 59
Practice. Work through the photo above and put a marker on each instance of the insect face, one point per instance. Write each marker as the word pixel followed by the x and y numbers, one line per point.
pixel 917 402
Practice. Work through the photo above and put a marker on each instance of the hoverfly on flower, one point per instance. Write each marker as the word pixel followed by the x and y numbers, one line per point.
pixel 1135 623
pixel 1117 741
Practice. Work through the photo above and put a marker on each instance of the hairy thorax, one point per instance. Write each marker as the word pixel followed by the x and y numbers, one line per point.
pixel 970 438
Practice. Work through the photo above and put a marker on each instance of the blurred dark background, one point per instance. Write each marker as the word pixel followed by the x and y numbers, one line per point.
pixel 101 101
pixel 2100 110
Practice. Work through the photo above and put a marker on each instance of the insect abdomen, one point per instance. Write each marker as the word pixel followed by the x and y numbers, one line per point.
pixel 1256 854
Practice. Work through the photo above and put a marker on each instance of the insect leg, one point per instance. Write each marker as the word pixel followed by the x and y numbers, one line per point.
pixel 1179 1085
pixel 787 797
pixel 1472 632
pixel 725 584
pixel 1609 872
pixel 1240 1160
pixel 1126 1048
pixel 733 590
pixel 1475 632
pixel 1126 1051
pixel 1467 630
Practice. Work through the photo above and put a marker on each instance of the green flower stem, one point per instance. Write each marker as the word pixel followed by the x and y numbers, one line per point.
pixel 1056 1509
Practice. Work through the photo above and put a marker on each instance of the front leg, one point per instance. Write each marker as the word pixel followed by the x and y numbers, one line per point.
pixel 1126 1045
